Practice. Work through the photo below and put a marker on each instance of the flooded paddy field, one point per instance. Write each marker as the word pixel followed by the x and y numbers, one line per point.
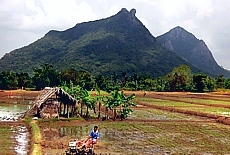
pixel 14 138
pixel 151 129
pixel 138 137
pixel 14 133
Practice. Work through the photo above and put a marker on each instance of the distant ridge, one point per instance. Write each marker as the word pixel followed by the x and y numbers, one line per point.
pixel 114 44
pixel 195 51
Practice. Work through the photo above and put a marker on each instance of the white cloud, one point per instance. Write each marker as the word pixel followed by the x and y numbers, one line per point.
pixel 114 9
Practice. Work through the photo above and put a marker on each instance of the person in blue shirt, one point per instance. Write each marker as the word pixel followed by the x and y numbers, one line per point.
pixel 92 138
pixel 94 134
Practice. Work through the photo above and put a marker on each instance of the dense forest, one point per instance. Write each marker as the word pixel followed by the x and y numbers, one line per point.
pixel 180 78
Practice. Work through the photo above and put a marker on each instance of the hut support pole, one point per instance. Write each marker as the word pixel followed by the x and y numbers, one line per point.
pixel 67 110
pixel 64 109
pixel 60 108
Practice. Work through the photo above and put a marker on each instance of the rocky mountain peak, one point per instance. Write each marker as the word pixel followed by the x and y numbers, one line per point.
pixel 195 51
pixel 179 32
pixel 133 12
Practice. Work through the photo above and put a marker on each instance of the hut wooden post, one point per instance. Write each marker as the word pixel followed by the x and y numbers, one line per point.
pixel 72 110
pixel 67 110
pixel 64 109
pixel 60 108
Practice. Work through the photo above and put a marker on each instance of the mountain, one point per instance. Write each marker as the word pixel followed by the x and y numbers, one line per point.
pixel 114 44
pixel 195 51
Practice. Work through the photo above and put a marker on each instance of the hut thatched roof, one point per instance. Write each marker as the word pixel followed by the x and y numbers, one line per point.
pixel 46 93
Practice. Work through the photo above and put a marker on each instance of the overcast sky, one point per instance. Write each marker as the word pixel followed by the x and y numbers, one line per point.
pixel 24 21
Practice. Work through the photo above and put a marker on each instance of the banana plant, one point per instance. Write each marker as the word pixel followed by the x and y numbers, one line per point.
pixel 117 99
pixel 126 103
pixel 88 101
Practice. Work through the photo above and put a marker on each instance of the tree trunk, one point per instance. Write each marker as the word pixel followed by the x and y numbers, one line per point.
pixel 81 109
pixel 99 110
pixel 106 113
pixel 87 113
pixel 115 114
pixel 120 113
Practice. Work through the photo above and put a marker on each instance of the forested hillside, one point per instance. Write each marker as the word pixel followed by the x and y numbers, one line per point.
pixel 120 43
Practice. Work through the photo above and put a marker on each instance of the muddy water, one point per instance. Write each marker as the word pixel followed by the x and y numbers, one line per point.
pixel 12 111
pixel 19 134
pixel 69 133
pixel 21 140
pixel 81 132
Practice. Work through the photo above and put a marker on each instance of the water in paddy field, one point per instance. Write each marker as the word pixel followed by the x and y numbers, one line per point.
pixel 12 111
pixel 18 136
pixel 21 140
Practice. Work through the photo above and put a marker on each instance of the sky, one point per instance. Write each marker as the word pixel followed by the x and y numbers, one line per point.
pixel 22 22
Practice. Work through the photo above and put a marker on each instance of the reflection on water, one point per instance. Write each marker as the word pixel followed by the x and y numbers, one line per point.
pixel 12 112
pixel 19 135
pixel 18 140
pixel 77 132
pixel 22 140
pixel 80 132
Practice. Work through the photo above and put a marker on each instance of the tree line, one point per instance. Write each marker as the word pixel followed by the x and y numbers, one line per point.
pixel 179 79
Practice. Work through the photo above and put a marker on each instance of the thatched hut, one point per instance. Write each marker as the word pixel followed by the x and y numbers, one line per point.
pixel 51 103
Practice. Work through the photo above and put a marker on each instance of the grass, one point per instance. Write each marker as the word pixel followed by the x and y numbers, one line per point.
pixel 159 137
pixel 154 114
pixel 36 137
pixel 186 106
pixel 170 133
pixel 5 140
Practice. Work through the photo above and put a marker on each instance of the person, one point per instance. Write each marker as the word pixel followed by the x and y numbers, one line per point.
pixel 93 137
pixel 145 93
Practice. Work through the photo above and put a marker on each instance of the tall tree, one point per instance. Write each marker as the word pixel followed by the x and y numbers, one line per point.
pixel 24 80
pixel 46 76
pixel 179 79
pixel 227 84
pixel 8 80
pixel 199 81
pixel 220 81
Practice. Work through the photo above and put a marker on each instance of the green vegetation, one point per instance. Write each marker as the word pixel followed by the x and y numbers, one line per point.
pixel 5 141
pixel 157 137
pixel 112 100
pixel 120 43
pixel 186 106
pixel 36 138
pixel 179 79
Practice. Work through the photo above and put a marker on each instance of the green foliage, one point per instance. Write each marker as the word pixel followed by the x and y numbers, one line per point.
pixel 46 76
pixel 220 81
pixel 8 80
pixel 73 81
pixel 82 95
pixel 179 79
pixel 199 81
pixel 81 78
pixel 117 44
pixel 24 80
pixel 227 84
pixel 118 99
